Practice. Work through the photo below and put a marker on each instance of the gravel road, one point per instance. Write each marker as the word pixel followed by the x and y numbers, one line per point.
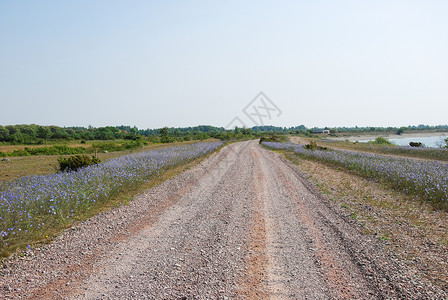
pixel 243 224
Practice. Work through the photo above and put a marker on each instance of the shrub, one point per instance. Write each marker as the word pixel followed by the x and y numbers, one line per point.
pixel 135 144
pixel 76 162
pixel 313 146
pixel 274 138
pixel 381 141
pixel 111 147
pixel 167 139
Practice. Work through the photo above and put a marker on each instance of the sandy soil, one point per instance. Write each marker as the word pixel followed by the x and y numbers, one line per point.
pixel 245 223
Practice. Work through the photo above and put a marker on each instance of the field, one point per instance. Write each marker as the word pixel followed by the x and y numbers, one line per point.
pixel 35 207
pixel 426 180
pixel 423 153
pixel 440 154
pixel 47 164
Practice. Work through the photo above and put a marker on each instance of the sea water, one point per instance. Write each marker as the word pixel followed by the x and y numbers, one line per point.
pixel 429 141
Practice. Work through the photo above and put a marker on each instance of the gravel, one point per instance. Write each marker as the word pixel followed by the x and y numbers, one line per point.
pixel 245 223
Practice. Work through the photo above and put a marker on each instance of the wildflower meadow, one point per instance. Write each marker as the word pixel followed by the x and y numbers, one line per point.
pixel 426 180
pixel 32 206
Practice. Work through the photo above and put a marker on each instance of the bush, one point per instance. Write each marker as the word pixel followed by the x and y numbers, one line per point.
pixel 76 162
pixel 313 146
pixel 111 147
pixel 274 138
pixel 167 139
pixel 380 141
pixel 135 144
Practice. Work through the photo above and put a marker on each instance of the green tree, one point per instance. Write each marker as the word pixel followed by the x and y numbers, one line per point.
pixel 164 135
pixel 60 134
pixel 401 130
pixel 246 131
pixel 29 130
pixel 164 131
pixel 43 132
pixel 12 129
pixel 4 134
pixel 17 138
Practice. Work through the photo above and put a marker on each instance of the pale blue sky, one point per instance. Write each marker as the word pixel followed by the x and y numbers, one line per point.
pixel 185 63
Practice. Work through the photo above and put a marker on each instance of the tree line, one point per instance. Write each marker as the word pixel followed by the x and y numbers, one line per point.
pixel 37 134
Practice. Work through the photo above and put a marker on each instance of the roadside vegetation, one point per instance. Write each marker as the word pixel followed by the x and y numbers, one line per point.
pixel 34 208
pixel 411 229
pixel 424 180
pixel 401 202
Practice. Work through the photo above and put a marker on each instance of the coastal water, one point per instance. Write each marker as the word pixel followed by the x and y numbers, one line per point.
pixel 428 141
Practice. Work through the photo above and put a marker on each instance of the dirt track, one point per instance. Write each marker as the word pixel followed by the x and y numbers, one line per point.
pixel 243 224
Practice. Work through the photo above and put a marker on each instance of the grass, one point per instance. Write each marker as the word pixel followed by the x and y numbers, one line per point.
pixel 33 209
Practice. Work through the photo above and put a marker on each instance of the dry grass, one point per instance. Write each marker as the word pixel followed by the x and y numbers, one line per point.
pixel 413 229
